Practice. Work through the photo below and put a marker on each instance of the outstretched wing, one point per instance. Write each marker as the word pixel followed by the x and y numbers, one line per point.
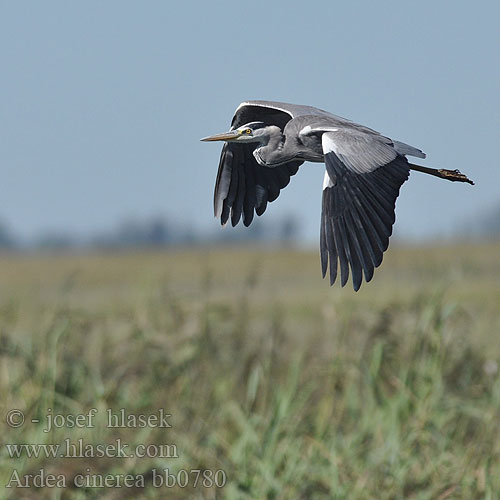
pixel 243 187
pixel 362 182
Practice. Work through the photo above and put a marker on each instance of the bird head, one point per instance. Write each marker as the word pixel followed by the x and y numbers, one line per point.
pixel 250 132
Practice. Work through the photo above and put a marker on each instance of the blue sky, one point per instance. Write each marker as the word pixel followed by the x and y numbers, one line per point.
pixel 102 104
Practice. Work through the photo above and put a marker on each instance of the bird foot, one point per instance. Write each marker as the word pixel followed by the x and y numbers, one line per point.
pixel 454 175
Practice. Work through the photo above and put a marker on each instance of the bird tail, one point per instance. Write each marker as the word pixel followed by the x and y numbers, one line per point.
pixel 406 149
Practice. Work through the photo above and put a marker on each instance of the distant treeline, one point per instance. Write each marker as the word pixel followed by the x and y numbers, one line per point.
pixel 157 231
pixel 161 231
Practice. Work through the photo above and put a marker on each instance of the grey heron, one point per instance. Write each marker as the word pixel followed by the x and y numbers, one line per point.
pixel 267 143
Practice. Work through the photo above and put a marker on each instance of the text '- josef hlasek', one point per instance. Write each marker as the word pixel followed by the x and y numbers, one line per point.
pixel 114 419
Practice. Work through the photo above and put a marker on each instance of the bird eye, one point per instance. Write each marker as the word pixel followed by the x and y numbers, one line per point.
pixel 248 131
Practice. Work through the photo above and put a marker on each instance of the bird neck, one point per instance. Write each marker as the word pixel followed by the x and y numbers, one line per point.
pixel 272 151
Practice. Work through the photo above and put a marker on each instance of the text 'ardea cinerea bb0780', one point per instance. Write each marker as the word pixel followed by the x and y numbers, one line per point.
pixel 267 143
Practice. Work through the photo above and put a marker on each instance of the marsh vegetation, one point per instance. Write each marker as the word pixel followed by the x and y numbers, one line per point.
pixel 294 389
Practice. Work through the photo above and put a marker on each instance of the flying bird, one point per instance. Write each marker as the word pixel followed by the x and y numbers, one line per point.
pixel 264 148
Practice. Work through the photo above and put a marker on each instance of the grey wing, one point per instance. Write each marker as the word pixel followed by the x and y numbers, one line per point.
pixel 359 197
pixel 318 120
pixel 360 148
pixel 243 187
pixel 249 111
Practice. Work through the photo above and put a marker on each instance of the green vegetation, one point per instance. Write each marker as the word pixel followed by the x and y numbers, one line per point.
pixel 296 390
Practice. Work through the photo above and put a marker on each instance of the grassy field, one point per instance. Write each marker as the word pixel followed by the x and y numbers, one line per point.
pixel 278 386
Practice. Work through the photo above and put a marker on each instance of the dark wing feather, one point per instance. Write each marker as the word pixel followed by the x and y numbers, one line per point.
pixel 243 187
pixel 357 217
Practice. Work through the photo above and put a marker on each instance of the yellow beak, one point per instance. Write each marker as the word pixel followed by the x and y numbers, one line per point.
pixel 226 136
